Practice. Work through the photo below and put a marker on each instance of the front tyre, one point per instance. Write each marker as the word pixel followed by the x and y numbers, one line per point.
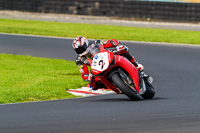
pixel 119 83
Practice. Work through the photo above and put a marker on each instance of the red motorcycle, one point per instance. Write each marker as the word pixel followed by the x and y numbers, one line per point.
pixel 120 75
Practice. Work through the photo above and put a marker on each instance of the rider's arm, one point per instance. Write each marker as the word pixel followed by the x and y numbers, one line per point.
pixel 120 49
pixel 81 64
pixel 111 43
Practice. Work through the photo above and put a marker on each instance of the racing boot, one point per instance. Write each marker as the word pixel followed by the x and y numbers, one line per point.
pixel 140 68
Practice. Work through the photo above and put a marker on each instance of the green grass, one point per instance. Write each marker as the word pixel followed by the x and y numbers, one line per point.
pixel 26 78
pixel 98 31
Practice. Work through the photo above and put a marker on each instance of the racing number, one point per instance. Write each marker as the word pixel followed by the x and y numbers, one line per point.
pixel 101 63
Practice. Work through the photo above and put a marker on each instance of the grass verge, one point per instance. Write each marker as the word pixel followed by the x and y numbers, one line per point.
pixel 98 31
pixel 26 78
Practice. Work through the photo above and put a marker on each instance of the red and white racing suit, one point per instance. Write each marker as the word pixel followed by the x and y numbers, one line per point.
pixel 83 62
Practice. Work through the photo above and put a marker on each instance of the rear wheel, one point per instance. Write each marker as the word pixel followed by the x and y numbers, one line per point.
pixel 149 94
pixel 119 83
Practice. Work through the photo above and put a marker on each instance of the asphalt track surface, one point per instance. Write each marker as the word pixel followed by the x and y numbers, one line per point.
pixel 175 108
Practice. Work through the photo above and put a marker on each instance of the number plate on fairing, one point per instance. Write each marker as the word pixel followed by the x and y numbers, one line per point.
pixel 100 61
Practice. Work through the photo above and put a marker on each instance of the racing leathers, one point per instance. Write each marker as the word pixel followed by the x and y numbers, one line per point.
pixel 113 45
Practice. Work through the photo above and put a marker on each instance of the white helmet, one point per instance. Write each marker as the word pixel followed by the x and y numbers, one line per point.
pixel 80 45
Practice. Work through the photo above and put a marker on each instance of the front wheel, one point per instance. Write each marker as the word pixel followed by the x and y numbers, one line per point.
pixel 119 83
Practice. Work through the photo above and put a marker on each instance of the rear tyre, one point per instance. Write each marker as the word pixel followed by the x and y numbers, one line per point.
pixel 149 94
pixel 119 83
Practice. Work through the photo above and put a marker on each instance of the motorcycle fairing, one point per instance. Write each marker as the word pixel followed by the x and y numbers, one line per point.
pixel 119 61
pixel 100 62
pixel 130 68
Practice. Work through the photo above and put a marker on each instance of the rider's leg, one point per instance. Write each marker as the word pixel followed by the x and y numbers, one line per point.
pixel 131 58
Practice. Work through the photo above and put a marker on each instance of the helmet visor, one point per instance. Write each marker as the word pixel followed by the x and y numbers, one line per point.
pixel 81 49
pixel 84 53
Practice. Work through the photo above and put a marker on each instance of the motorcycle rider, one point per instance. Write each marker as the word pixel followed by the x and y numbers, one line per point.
pixel 86 50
